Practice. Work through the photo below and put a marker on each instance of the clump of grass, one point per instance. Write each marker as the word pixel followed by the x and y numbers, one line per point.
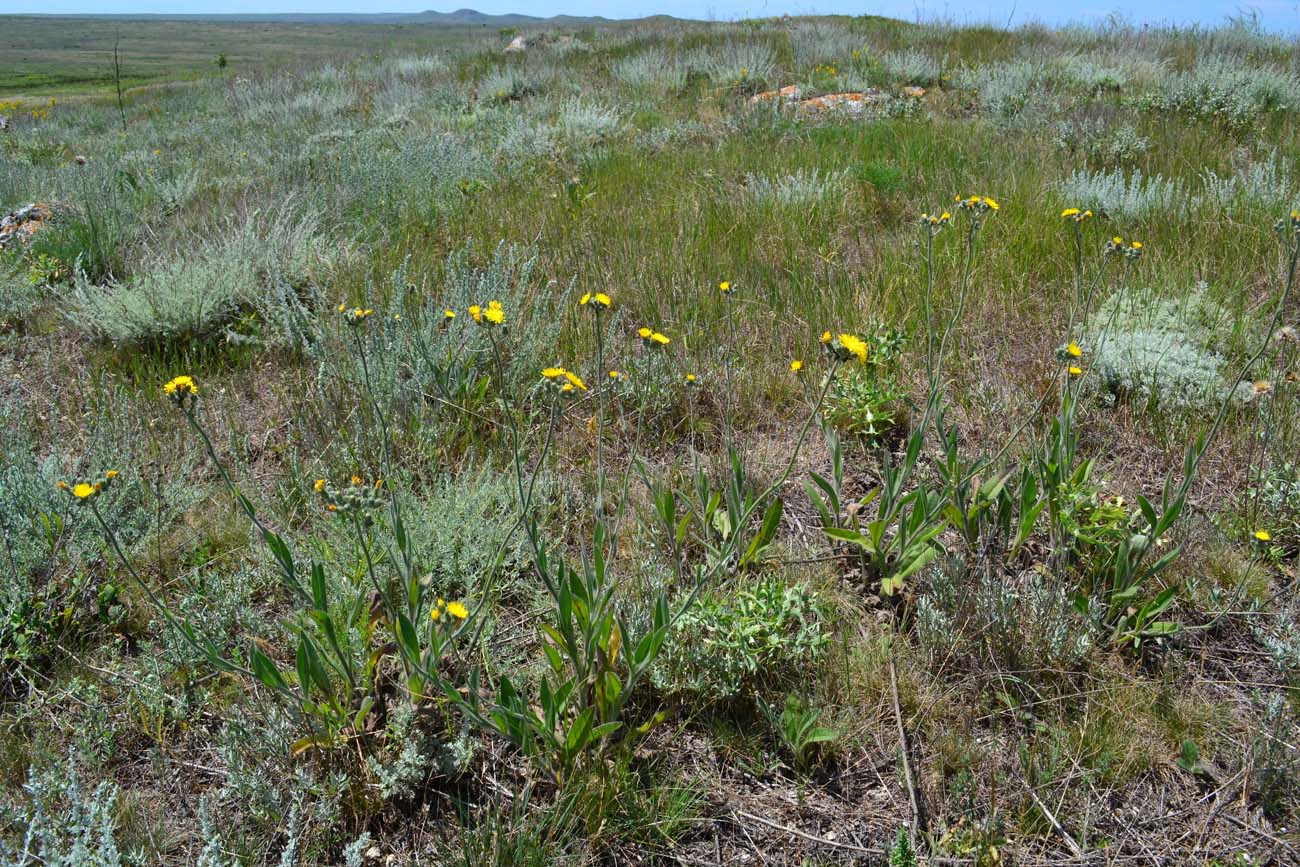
pixel 803 188
pixel 651 68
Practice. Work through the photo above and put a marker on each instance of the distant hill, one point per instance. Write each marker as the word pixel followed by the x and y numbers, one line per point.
pixel 459 18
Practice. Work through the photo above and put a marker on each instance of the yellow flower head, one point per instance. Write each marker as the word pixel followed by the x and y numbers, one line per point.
pixel 457 610
pixel 181 387
pixel 617 376
pixel 725 286
pixel 552 372
pixel 1117 240
pixel 661 339
pixel 319 486
pixel 449 314
pixel 1070 212
pixel 855 347
pixel 356 480
pixel 435 613
pixel 110 475
pixel 690 379
pixel 494 314
pixel 796 366
pixel 1136 245
pixel 1075 371
pixel 83 491
pixel 1263 536
pixel 826 337
pixel 476 312
pixel 574 380
pixel 61 485
pixel 645 333
pixel 1074 350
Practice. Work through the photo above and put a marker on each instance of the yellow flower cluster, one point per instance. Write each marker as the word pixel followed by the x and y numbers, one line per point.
pixel 978 205
pixel 1129 250
pixel 565 380
pixel 600 299
pixel 653 338
pixel 842 347
pixel 1077 215
pixel 355 315
pixel 492 315
pixel 456 610
pixel 84 491
pixel 936 221
pixel 359 496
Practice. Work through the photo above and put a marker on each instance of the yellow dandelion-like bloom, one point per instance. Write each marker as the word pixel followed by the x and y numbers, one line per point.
pixel 1136 245
pixel 110 475
pixel 1070 212
pixel 552 372
pixel 319 486
pixel 494 315
pixel 661 339
pixel 602 299
pixel 690 378
pixel 796 366
pixel 180 386
pixel 1117 240
pixel 645 333
pixel 993 206
pixel 855 346
pixel 615 375
pixel 356 480
pixel 1263 536
pixel 457 610
pixel 826 337
pixel 585 299
pixel 449 314
pixel 575 380
pixel 725 286
pixel 1074 350
pixel 83 491
pixel 476 313
pixel 342 307
pixel 435 614
pixel 1075 371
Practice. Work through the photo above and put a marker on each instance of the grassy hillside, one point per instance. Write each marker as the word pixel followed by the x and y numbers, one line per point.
pixel 421 453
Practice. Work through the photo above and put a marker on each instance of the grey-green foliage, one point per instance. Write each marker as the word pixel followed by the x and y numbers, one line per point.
pixel 1158 351
pixel 1024 622
pixel 913 67
pixel 58 822
pixel 1007 90
pixel 583 122
pixel 742 644
pixel 802 189
pixel 1126 196
pixel 816 43
pixel 1268 184
pixel 734 61
pixel 1098 142
pixel 414 756
pixel 1230 90
pixel 193 293
pixel 651 68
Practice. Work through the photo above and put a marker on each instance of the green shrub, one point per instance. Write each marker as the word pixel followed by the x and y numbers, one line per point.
pixel 737 646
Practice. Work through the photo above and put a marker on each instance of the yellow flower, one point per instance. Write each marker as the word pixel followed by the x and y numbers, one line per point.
pixel 796 366
pixel 356 480
pixel 602 299
pixel 993 206
pixel 725 286
pixel 1070 212
pixel 319 486
pixel 342 307
pixel 1076 371
pixel 1074 350
pixel 585 299
pixel 1117 240
pixel 826 337
pixel 615 375
pixel 83 491
pixel 181 386
pixel 1136 245
pixel 476 312
pixel 552 372
pixel 1261 386
pixel 575 380
pixel 494 314
pixel 435 614
pixel 457 610
pixel 855 347
pixel 1263 536
pixel 645 333
pixel 61 485
pixel 690 378
pixel 661 339
pixel 111 474
pixel 449 314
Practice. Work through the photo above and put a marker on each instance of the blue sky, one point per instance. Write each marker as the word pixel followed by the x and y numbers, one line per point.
pixel 1275 14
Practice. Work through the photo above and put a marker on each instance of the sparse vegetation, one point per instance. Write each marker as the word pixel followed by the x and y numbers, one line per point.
pixel 549 446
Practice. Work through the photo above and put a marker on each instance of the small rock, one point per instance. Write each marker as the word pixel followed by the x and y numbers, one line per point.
pixel 913 92
pixel 79 160
pixel 790 93
pixel 517 45
pixel 848 103
pixel 19 227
